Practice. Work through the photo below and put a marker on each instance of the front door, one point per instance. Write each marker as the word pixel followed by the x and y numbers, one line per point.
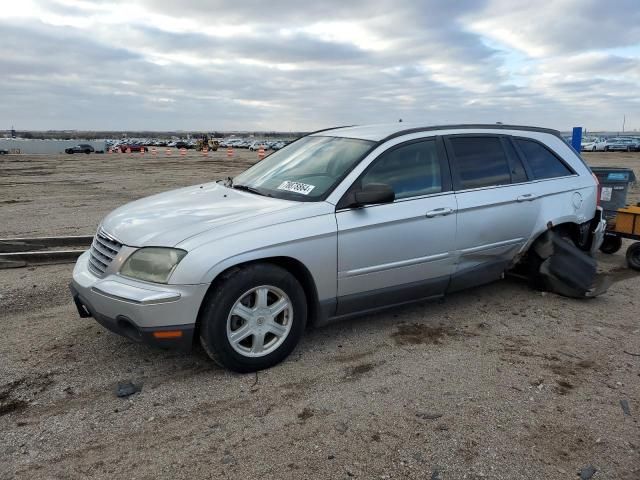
pixel 401 251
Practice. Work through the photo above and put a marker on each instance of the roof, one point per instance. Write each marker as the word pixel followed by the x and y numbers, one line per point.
pixel 385 131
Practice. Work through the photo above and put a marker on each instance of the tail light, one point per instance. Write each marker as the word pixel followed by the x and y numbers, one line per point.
pixel 599 189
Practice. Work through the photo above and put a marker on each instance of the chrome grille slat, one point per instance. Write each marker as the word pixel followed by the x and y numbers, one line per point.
pixel 107 241
pixel 96 265
pixel 103 250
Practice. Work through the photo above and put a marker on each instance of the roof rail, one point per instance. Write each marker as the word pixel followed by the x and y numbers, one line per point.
pixel 487 126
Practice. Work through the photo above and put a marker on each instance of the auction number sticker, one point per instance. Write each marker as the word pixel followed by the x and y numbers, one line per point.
pixel 296 187
pixel 605 194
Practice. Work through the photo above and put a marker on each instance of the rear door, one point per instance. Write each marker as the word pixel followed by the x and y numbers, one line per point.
pixel 403 250
pixel 497 206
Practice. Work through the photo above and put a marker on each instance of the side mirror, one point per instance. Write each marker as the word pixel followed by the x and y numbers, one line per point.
pixel 373 193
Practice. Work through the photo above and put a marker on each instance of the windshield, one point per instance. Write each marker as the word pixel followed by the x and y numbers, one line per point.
pixel 305 170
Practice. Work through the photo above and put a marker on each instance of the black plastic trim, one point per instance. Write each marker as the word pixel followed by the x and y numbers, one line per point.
pixel 391 296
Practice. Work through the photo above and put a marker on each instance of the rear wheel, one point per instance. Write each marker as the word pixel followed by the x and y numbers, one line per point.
pixel 611 244
pixel 633 256
pixel 87 151
pixel 254 318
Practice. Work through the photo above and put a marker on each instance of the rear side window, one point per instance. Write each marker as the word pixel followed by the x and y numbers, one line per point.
pixel 411 170
pixel 480 161
pixel 543 163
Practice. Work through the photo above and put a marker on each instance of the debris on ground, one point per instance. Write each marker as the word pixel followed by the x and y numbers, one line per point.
pixel 625 407
pixel 587 472
pixel 126 389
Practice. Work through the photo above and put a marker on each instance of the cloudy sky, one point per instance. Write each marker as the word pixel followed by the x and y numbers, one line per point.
pixel 301 65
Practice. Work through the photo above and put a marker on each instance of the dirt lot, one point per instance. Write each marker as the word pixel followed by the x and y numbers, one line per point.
pixel 498 382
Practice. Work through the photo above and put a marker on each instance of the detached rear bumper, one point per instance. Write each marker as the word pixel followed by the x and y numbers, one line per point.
pixel 160 315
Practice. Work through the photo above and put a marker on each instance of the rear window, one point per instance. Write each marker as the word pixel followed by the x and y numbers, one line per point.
pixel 480 161
pixel 543 163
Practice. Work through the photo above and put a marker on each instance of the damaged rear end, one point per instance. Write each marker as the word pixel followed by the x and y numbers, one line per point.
pixel 565 268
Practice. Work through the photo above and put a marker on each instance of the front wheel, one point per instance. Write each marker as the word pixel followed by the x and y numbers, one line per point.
pixel 633 256
pixel 253 318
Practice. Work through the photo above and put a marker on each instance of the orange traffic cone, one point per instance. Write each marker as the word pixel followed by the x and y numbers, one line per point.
pixel 261 152
pixel 229 152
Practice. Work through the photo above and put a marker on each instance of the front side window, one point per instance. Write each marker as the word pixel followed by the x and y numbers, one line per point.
pixel 411 170
pixel 306 170
pixel 542 162
pixel 480 161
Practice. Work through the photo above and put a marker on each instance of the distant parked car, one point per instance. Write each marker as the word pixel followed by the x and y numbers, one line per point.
pixel 186 145
pixel 134 147
pixel 82 148
pixel 621 144
pixel 256 146
pixel 588 144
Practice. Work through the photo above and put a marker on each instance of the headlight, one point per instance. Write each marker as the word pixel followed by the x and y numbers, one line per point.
pixel 152 264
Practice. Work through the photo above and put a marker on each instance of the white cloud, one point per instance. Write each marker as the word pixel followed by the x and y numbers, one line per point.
pixel 210 64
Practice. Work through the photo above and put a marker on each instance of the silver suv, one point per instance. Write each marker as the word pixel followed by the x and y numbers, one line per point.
pixel 340 222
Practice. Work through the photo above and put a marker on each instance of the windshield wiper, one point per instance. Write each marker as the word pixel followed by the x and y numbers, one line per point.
pixel 247 188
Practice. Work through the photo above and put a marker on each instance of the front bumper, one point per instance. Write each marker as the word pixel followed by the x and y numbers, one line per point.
pixel 161 315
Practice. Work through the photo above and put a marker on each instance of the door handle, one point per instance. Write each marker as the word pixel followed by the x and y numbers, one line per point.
pixel 439 211
pixel 527 197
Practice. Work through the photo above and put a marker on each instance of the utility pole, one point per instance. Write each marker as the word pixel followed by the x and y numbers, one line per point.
pixel 624 120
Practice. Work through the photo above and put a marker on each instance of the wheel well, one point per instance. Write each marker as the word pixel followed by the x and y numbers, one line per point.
pixel 569 229
pixel 293 266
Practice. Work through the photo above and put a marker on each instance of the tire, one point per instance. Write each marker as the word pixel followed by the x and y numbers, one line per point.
pixel 633 256
pixel 593 149
pixel 70 152
pixel 243 290
pixel 611 244
pixel 87 151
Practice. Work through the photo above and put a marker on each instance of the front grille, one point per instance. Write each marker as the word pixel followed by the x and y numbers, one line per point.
pixel 103 250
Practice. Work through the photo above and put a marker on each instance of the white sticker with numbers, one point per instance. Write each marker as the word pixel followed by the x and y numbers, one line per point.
pixel 605 194
pixel 296 187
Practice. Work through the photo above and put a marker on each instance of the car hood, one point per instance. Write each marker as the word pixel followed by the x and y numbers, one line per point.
pixel 169 218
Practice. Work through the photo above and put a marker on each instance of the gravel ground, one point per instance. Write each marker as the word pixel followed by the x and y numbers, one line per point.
pixel 497 382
